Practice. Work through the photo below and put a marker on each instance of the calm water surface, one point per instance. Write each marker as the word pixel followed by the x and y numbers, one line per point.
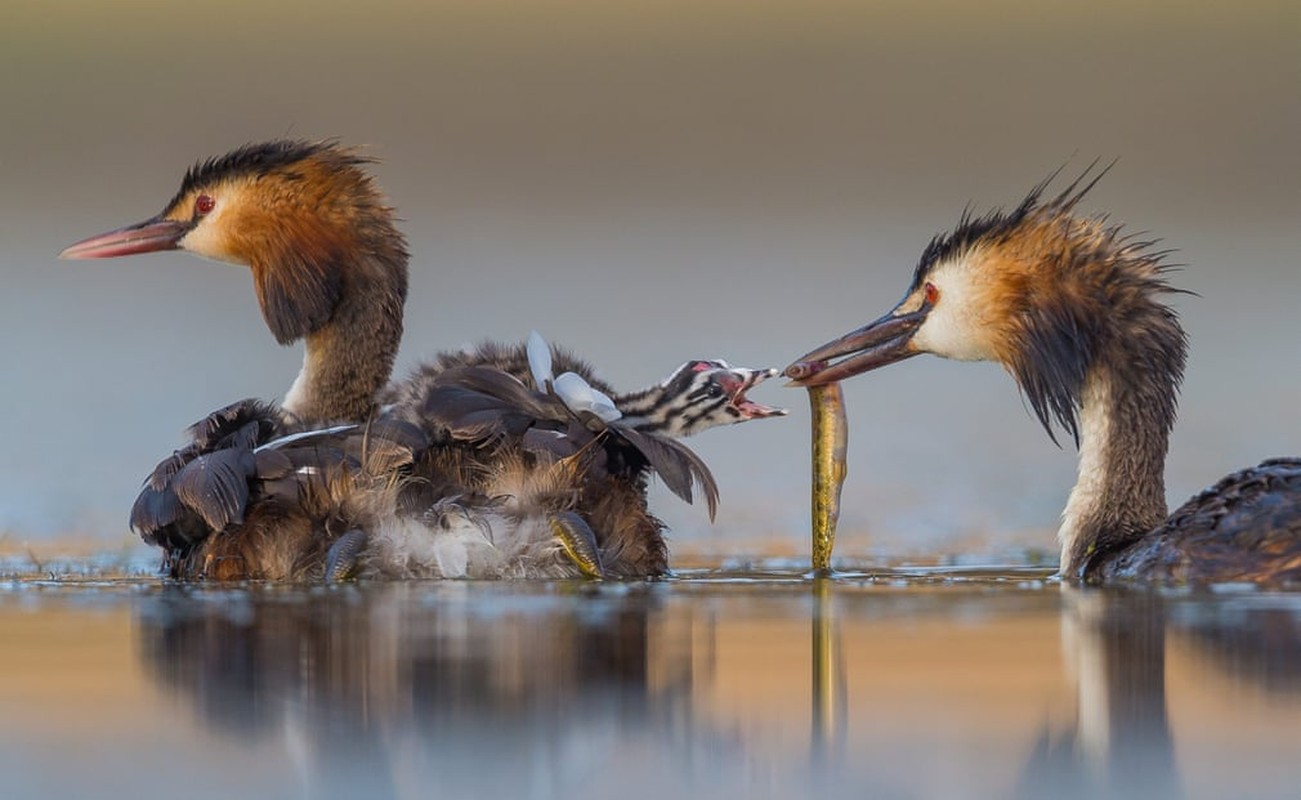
pixel 902 683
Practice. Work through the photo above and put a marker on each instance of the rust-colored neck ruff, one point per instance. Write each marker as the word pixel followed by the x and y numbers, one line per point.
pixel 1132 361
pixel 329 264
pixel 349 314
pixel 350 357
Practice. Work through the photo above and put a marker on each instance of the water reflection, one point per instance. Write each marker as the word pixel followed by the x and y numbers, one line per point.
pixel 829 697
pixel 515 691
pixel 547 691
pixel 1120 744
pixel 1255 639
pixel 1115 643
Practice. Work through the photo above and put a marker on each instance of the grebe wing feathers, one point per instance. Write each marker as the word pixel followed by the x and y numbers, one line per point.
pixel 192 482
pixel 483 403
pixel 250 450
pixel 676 464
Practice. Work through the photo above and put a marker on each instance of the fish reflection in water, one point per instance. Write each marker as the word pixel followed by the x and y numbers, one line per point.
pixel 533 691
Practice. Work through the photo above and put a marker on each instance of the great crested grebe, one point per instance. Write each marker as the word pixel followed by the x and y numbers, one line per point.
pixel 467 469
pixel 1073 308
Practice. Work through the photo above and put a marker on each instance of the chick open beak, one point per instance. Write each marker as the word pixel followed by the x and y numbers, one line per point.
pixel 739 380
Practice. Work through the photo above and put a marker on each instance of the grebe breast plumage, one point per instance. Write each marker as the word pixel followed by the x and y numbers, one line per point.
pixel 464 469
pixel 1073 308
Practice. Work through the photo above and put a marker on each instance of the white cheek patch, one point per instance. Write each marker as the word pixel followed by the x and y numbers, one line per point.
pixel 956 327
pixel 206 239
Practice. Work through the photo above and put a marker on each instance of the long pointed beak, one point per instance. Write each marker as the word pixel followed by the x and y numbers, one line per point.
pixel 143 237
pixel 883 341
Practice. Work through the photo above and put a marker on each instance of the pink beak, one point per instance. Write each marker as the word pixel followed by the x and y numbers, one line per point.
pixel 144 237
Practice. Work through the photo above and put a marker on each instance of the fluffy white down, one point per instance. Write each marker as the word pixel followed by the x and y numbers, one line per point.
pixel 453 542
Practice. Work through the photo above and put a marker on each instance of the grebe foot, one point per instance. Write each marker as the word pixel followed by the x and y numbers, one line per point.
pixel 342 561
pixel 578 541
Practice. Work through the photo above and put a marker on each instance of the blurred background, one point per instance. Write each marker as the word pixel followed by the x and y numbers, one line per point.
pixel 645 183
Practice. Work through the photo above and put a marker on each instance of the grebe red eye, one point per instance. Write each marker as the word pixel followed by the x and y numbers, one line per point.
pixel 932 294
pixel 203 204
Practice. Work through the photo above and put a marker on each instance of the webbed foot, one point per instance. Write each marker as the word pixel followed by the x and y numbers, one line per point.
pixel 343 560
pixel 578 541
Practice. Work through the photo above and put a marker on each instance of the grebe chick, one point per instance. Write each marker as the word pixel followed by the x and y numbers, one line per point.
pixel 1073 307
pixel 329 483
pixel 699 395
